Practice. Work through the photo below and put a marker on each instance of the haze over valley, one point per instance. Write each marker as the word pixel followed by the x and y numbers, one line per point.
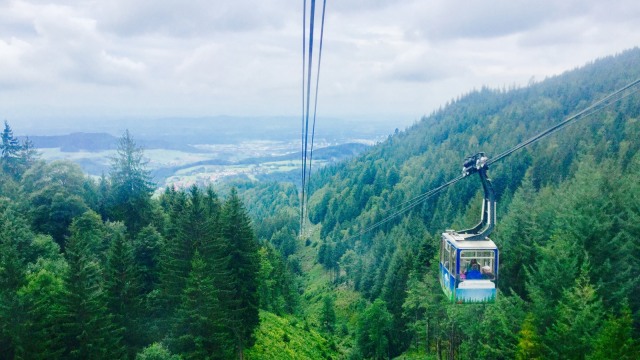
pixel 185 151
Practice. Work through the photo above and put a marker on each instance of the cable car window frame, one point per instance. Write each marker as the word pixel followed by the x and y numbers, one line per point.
pixel 453 261
pixel 484 257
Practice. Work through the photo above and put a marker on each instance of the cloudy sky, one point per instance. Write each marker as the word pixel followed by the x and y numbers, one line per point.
pixel 398 59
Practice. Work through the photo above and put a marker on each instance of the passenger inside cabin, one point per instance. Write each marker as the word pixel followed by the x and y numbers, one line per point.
pixel 486 272
pixel 473 272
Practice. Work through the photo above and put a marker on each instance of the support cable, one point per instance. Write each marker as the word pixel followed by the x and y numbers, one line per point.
pixel 304 58
pixel 306 121
pixel 315 106
pixel 599 105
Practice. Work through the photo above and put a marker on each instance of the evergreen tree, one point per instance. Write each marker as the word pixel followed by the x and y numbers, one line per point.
pixel 394 294
pixel 374 326
pixel 175 255
pixel 199 331
pixel 578 317
pixel 243 268
pixel 11 151
pixel 89 332
pixel 328 314
pixel 156 351
pixel 55 193
pixel 515 236
pixel 529 343
pixel 553 272
pixel 15 246
pixel 615 339
pixel 131 186
pixel 146 252
pixel 42 298
pixel 123 293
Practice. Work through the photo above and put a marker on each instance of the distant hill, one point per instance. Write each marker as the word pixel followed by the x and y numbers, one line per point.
pixel 96 142
pixel 567 217
pixel 92 142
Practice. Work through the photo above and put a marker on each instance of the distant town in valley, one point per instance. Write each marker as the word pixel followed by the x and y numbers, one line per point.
pixel 199 151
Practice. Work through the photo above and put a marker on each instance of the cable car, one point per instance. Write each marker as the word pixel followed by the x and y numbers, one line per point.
pixel 468 258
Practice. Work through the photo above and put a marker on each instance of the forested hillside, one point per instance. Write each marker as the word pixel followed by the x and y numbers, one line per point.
pixel 568 211
pixel 100 269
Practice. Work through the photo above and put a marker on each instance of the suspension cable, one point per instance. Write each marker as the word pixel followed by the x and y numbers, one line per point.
pixel 315 106
pixel 599 105
pixel 306 114
pixel 590 110
pixel 304 58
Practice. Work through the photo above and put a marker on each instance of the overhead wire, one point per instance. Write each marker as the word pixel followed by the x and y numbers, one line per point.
pixel 304 62
pixel 306 144
pixel 306 115
pixel 315 106
pixel 599 105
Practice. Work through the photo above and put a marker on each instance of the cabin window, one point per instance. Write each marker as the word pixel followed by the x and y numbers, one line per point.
pixel 453 261
pixel 477 264
pixel 445 256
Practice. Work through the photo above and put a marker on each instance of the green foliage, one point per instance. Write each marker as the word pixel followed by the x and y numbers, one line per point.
pixel 276 283
pixel 156 351
pixel 131 186
pixel 122 286
pixel 198 332
pixel 15 158
pixel 615 339
pixel 55 193
pixel 374 327
pixel 286 338
pixel 243 268
pixel 529 343
pixel 191 271
pixel 328 314
pixel 88 327
pixel 42 298
pixel 579 315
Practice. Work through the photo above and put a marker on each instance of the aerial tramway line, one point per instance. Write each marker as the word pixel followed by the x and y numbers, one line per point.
pixel 306 143
pixel 469 259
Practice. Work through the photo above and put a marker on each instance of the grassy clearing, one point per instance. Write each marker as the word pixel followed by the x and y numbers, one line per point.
pixel 289 338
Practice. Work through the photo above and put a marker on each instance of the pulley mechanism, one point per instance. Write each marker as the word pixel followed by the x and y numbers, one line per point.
pixel 478 164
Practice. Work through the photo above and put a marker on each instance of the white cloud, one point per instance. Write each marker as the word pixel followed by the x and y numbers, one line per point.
pixel 403 57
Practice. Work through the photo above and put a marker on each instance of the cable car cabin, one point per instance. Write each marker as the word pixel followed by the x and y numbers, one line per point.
pixel 468 268
pixel 468 258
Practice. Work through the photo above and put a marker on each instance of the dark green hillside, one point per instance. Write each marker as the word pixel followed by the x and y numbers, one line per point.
pixel 101 269
pixel 567 219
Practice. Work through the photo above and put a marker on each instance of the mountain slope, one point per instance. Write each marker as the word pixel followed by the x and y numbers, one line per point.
pixel 561 198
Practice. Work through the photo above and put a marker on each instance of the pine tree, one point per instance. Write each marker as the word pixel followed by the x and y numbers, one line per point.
pixel 199 331
pixel 42 298
pixel 131 186
pixel 55 193
pixel 10 155
pixel 146 252
pixel 578 317
pixel 175 255
pixel 243 268
pixel 516 238
pixel 529 347
pixel 89 332
pixel 553 272
pixel 328 314
pixel 123 291
pixel 156 351
pixel 615 340
pixel 15 243
pixel 374 326
pixel 394 294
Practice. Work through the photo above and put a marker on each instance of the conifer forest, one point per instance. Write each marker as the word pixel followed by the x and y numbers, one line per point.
pixel 110 268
